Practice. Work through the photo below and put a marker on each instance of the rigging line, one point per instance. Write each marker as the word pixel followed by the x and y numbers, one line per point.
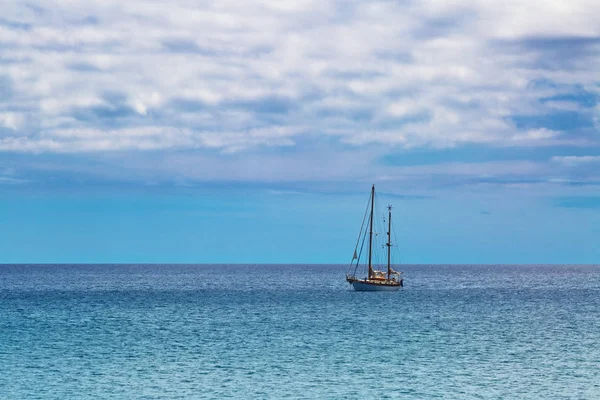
pixel 378 244
pixel 361 227
pixel 358 239
pixel 396 242
pixel 361 250
pixel 364 236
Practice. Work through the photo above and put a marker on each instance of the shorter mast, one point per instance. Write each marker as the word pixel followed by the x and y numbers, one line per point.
pixel 389 243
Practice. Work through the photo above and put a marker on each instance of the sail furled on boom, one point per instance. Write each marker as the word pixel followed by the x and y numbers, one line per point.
pixel 378 274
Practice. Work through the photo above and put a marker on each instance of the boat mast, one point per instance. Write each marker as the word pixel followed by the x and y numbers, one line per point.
pixel 371 231
pixel 389 243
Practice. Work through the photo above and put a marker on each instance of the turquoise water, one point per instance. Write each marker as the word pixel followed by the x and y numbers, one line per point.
pixel 148 331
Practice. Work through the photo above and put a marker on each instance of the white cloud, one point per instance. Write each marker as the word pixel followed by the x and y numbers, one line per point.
pixel 535 134
pixel 146 138
pixel 228 77
pixel 572 161
pixel 11 181
pixel 11 120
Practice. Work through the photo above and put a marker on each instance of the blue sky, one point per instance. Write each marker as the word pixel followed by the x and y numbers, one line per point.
pixel 152 131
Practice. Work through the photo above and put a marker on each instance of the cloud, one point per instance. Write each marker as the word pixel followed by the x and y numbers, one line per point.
pixel 145 138
pixel 7 177
pixel 353 77
pixel 11 120
pixel 576 160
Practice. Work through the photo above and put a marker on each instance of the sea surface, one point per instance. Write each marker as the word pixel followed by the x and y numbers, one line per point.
pixel 298 331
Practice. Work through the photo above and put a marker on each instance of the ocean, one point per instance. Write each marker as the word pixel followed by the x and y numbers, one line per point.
pixel 298 332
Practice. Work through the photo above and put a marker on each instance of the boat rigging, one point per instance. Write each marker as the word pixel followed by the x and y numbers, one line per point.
pixel 375 280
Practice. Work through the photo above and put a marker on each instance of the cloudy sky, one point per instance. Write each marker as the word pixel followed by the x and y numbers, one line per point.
pixel 227 131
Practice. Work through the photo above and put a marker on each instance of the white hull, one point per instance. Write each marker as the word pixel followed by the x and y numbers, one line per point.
pixel 373 287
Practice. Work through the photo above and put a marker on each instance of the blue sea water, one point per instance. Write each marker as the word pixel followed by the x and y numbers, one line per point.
pixel 298 331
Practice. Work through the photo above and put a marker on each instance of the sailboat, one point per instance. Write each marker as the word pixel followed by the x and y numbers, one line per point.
pixel 375 280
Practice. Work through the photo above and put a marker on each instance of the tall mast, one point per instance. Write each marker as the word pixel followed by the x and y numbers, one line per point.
pixel 389 243
pixel 371 231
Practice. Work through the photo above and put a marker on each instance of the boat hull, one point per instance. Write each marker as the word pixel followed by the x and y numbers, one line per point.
pixel 364 286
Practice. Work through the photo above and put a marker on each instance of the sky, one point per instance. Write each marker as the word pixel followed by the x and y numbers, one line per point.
pixel 251 132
